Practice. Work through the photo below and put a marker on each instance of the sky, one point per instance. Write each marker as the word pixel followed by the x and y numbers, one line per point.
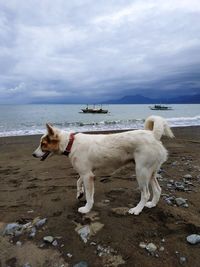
pixel 81 51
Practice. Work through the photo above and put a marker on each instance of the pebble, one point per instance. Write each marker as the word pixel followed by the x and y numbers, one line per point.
pixel 187 176
pixel 19 243
pixel 11 228
pixel 48 239
pixel 55 243
pixel 41 222
pixel 182 260
pixel 81 264
pixel 193 239
pixel 180 201
pixel 179 186
pixel 69 255
pixel 33 232
pixel 151 247
pixel 161 248
pixel 142 245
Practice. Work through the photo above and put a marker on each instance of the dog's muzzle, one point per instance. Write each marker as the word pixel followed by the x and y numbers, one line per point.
pixel 42 157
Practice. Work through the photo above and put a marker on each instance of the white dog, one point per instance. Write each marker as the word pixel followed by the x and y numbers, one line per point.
pixel 91 154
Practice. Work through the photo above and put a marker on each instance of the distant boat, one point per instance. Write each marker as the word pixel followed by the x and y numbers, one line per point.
pixel 94 110
pixel 160 107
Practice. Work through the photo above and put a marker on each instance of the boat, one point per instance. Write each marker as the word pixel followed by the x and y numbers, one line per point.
pixel 160 107
pixel 94 110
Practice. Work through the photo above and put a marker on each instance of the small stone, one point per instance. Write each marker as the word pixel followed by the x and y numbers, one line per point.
pixel 182 260
pixel 187 176
pixel 193 239
pixel 11 228
pixel 19 243
pixel 93 243
pixel 33 232
pixel 81 264
pixel 69 255
pixel 180 201
pixel 55 243
pixel 161 249
pixel 142 245
pixel 151 247
pixel 41 222
pixel 48 239
pixel 163 240
pixel 179 186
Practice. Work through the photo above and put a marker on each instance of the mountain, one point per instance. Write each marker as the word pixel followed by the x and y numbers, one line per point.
pixel 139 99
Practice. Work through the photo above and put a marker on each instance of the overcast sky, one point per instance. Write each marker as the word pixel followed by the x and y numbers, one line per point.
pixel 98 50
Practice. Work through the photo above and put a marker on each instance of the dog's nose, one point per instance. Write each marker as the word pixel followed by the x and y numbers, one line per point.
pixel 34 155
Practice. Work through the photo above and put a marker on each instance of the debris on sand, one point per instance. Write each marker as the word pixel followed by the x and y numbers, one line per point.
pixel 17 229
pixel 85 231
pixel 120 210
pixel 48 239
pixel 151 247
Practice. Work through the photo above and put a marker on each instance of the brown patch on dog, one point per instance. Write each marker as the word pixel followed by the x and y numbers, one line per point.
pixel 50 143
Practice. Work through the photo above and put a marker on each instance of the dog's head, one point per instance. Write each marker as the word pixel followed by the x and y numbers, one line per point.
pixel 49 143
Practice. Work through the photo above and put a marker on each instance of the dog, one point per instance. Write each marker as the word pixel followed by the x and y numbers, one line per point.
pixel 93 154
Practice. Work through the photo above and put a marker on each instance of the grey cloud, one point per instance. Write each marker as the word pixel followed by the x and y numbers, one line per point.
pixel 97 49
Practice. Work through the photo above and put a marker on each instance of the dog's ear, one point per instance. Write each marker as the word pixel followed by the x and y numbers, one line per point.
pixel 50 129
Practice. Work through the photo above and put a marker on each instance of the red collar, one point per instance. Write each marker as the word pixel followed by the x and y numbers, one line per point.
pixel 69 145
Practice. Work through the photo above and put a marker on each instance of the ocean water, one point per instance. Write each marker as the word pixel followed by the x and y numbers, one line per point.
pixel 31 119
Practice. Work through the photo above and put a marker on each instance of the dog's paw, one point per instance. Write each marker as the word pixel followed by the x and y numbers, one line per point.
pixel 79 195
pixel 150 204
pixel 83 210
pixel 134 211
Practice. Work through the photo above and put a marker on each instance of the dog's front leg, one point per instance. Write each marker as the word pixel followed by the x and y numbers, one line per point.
pixel 80 188
pixel 88 181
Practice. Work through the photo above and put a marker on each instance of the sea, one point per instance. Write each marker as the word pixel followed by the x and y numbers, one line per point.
pixel 16 120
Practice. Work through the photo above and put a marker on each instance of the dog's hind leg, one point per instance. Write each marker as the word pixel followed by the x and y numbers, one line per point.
pixel 156 189
pixel 143 177
pixel 80 188
pixel 88 181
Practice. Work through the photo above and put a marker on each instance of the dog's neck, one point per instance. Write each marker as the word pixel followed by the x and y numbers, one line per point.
pixel 64 140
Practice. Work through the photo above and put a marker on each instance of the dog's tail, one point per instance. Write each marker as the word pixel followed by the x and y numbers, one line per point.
pixel 159 126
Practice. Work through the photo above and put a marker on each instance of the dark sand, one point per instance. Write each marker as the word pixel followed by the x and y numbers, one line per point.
pixel 30 188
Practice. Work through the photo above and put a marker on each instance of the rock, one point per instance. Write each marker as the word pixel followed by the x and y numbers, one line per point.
pixel 81 264
pixel 33 232
pixel 182 260
pixel 187 176
pixel 120 210
pixel 193 239
pixel 161 248
pixel 48 239
pixel 55 243
pixel 69 255
pixel 179 186
pixel 180 201
pixel 11 228
pixel 151 247
pixel 40 223
pixel 84 233
pixel 142 245
pixel 19 243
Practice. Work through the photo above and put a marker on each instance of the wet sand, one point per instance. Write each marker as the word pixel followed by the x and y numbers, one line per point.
pixel 30 189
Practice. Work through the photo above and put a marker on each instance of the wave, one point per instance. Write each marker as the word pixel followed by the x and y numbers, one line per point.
pixel 31 129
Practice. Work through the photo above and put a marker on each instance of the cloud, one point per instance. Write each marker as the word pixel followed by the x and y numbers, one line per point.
pixel 97 49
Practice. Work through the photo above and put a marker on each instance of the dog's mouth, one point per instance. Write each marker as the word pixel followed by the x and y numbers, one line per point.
pixel 46 154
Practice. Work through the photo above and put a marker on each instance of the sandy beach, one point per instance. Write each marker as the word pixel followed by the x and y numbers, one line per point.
pixel 31 190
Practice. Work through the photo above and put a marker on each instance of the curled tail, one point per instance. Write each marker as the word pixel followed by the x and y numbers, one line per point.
pixel 159 126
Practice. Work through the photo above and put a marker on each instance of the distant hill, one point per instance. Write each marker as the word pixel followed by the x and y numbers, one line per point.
pixel 139 99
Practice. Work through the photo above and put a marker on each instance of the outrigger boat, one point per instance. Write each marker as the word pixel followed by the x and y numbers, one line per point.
pixel 94 110
pixel 160 107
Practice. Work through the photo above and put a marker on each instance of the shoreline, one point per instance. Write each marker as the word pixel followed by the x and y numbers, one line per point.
pixel 177 132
